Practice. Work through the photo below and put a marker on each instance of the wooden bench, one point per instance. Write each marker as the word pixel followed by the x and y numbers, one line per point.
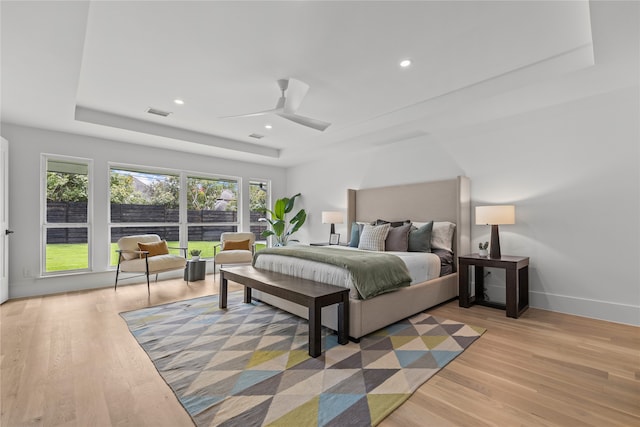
pixel 313 295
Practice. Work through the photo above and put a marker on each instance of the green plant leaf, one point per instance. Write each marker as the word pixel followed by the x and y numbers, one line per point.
pixel 290 202
pixel 279 208
pixel 298 220
pixel 267 233
pixel 278 227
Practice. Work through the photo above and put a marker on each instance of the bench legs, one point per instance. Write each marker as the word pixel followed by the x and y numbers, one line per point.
pixel 222 299
pixel 315 325
pixel 343 320
pixel 315 334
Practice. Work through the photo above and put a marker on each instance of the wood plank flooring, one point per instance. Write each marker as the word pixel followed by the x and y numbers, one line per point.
pixel 69 360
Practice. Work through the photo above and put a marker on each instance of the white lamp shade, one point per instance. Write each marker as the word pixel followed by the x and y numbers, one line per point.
pixel 331 217
pixel 496 215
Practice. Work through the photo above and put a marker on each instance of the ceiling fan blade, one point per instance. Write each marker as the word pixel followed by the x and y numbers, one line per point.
pixel 296 92
pixel 258 113
pixel 261 113
pixel 306 121
pixel 278 109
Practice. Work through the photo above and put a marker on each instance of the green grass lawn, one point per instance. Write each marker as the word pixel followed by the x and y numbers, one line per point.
pixel 74 256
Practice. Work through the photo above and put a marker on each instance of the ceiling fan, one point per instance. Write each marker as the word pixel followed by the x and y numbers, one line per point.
pixel 288 105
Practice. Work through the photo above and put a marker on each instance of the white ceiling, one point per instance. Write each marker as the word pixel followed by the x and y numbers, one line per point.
pixel 95 67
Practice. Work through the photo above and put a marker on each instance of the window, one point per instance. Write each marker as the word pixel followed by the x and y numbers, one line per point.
pixel 258 201
pixel 65 224
pixel 212 209
pixel 178 207
pixel 144 203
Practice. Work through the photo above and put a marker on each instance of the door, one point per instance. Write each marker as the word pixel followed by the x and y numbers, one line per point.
pixel 4 220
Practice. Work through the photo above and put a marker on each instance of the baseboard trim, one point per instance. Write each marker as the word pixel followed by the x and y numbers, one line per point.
pixel 594 309
pixel 603 310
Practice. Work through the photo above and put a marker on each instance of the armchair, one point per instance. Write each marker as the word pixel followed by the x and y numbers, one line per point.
pixel 234 248
pixel 146 254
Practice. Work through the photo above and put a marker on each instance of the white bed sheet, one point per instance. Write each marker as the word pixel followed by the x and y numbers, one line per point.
pixel 422 266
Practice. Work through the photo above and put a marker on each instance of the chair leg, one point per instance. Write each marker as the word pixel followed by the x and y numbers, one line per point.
pixel 147 263
pixel 117 273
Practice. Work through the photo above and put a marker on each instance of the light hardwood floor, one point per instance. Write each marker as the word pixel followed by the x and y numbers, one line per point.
pixel 69 360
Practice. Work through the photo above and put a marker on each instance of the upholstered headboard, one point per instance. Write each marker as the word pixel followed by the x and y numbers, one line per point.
pixel 447 200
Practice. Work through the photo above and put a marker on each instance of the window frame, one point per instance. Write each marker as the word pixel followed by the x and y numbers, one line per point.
pixel 197 175
pixel 183 223
pixel 268 204
pixel 45 225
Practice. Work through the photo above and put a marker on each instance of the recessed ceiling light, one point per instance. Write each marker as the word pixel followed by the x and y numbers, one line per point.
pixel 178 101
pixel 268 127
pixel 405 63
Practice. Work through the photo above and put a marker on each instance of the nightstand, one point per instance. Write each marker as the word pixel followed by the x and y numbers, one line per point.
pixel 517 282
pixel 195 270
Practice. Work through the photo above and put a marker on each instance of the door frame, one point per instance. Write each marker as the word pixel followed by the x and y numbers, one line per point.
pixel 4 220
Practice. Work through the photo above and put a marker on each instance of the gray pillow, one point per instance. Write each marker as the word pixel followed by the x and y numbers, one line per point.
pixel 398 238
pixel 420 238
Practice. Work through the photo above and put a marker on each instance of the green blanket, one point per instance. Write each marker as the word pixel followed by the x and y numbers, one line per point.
pixel 373 273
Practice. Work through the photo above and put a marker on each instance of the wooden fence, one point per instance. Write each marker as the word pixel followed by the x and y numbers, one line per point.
pixel 76 212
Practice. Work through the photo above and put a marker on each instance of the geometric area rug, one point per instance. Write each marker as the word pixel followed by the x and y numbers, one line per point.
pixel 248 365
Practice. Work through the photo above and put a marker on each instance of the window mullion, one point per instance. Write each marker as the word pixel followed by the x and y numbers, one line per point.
pixel 182 213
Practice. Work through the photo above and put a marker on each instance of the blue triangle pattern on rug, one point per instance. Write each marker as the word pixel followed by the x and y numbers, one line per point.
pixel 249 364
pixel 333 405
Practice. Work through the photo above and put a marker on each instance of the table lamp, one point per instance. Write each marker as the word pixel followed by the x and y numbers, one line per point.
pixel 494 216
pixel 332 217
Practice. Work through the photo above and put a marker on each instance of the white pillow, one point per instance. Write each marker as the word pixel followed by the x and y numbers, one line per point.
pixel 373 237
pixel 442 234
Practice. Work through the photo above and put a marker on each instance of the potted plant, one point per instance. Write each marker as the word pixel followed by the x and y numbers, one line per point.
pixel 195 254
pixel 281 230
pixel 483 248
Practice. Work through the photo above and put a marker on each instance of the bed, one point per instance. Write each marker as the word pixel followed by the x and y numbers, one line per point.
pixel 441 201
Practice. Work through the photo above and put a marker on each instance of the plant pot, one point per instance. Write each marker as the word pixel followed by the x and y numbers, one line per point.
pixel 483 252
pixel 195 257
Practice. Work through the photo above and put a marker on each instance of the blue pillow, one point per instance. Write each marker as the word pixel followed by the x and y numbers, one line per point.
pixel 356 231
pixel 355 235
pixel 420 238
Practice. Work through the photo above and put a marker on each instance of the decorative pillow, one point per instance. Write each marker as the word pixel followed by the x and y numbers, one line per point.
pixel 355 235
pixel 356 232
pixel 398 238
pixel 442 235
pixel 154 248
pixel 373 237
pixel 420 238
pixel 393 223
pixel 229 245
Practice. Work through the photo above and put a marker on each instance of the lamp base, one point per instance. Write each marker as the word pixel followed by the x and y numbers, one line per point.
pixel 495 243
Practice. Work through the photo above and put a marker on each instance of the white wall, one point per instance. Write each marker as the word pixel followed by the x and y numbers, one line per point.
pixel 565 152
pixel 25 148
pixel 571 171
